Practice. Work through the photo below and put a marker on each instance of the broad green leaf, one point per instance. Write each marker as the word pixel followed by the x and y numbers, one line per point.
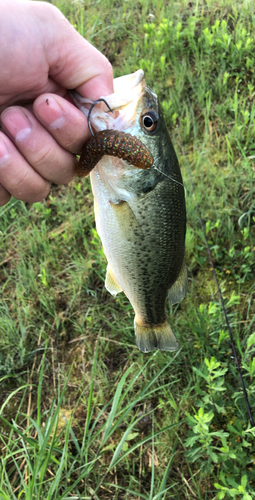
pixel 251 341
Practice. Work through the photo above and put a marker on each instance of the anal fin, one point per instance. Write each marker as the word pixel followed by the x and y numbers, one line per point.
pixel 178 290
pixel 111 284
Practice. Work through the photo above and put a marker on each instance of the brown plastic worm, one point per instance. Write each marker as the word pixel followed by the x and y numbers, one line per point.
pixel 113 143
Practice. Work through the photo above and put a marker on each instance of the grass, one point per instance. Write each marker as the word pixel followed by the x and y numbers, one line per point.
pixel 83 413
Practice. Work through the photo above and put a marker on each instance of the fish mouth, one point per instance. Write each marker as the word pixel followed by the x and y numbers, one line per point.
pixel 130 98
pixel 132 89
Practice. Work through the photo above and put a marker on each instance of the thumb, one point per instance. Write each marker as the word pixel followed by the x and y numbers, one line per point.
pixel 73 62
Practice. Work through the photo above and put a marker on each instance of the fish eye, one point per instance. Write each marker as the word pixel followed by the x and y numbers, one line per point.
pixel 149 121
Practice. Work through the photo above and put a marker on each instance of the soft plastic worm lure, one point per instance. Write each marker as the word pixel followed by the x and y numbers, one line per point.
pixel 112 143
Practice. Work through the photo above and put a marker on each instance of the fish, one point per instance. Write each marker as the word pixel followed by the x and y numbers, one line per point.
pixel 139 208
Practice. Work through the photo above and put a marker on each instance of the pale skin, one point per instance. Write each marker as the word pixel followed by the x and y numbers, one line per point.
pixel 41 57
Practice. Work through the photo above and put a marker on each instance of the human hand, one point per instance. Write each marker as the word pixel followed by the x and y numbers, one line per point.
pixel 41 57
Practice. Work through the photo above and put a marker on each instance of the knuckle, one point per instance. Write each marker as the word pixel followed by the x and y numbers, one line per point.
pixel 43 191
pixel 30 189
pixel 43 156
pixel 19 182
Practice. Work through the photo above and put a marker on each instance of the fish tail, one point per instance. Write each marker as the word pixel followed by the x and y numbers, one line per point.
pixel 150 337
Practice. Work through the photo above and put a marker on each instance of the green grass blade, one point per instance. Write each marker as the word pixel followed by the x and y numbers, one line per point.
pixel 144 440
pixel 136 494
pixel 89 407
pixel 10 396
pixel 162 487
pixel 109 428
pixel 152 461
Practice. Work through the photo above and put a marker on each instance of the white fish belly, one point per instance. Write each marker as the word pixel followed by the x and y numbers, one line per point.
pixel 120 236
pixel 135 241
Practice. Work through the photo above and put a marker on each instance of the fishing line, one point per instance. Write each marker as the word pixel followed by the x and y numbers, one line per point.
pixel 218 287
pixel 169 177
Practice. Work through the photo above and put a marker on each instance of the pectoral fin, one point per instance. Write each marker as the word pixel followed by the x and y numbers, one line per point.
pixel 110 284
pixel 179 289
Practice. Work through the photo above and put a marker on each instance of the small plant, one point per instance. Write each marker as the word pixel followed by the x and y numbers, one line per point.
pixel 213 374
pixel 231 489
pixel 202 441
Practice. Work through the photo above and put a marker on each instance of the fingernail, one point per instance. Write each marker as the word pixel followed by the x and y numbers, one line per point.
pixel 4 153
pixel 16 123
pixel 49 111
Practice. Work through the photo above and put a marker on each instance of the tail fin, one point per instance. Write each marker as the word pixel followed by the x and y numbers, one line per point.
pixel 153 337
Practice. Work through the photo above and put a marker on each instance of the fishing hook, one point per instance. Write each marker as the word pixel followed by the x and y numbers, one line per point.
pixel 90 110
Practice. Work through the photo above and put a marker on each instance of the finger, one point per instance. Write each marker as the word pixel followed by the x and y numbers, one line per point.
pixel 64 121
pixel 17 176
pixel 23 97
pixel 37 146
pixel 76 64
pixel 4 195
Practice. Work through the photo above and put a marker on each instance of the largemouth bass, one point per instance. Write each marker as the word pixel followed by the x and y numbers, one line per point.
pixel 140 211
